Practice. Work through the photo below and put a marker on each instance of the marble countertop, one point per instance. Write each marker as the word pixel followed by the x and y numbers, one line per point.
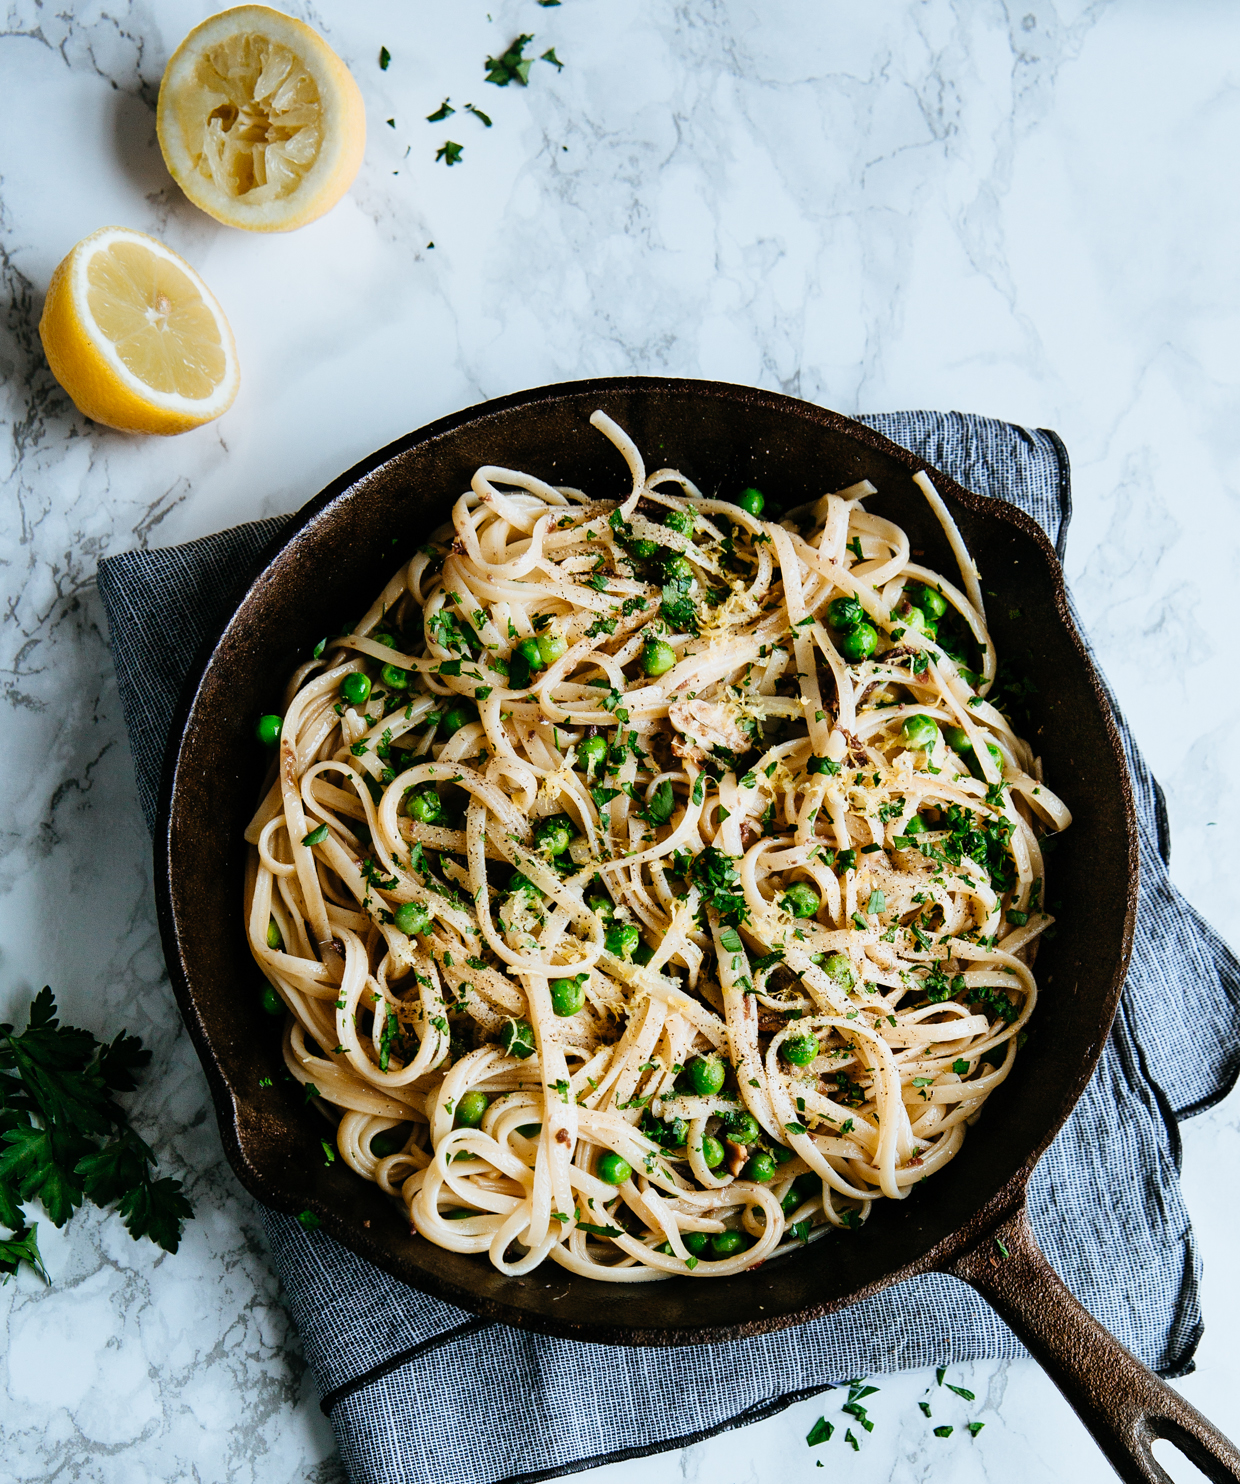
pixel 1018 210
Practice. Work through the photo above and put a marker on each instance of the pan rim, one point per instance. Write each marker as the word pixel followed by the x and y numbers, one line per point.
pixel 230 1111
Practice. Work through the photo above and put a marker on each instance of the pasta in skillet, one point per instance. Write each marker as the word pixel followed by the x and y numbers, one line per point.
pixel 649 886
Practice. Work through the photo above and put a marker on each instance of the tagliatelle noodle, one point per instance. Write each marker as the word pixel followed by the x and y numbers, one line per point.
pixel 617 805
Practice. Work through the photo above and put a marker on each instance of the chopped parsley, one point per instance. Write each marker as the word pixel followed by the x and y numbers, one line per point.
pixel 715 875
pixel 513 66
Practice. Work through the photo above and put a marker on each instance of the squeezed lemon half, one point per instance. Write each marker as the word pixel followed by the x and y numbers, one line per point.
pixel 136 338
pixel 260 122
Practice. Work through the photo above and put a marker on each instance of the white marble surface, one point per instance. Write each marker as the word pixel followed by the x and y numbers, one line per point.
pixel 1025 210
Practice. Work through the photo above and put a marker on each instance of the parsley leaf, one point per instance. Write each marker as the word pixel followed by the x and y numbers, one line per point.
pixel 513 66
pixel 22 1246
pixel 63 1138
pixel 441 113
pixel 662 802
pixel 715 874
pixel 450 152
pixel 677 610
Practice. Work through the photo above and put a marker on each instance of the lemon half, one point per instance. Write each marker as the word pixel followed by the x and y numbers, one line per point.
pixel 260 122
pixel 136 338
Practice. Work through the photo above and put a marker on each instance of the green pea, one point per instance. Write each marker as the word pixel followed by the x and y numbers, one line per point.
pixel 592 752
pixel 613 1170
pixel 394 677
pixel 920 730
pixel 355 688
pixel 741 1128
pixel 555 833
pixel 859 643
pixel 517 1038
pixel 728 1244
pixel 469 1110
pixel 914 618
pixel 677 569
pixel 459 714
pixel 551 647
pixel 385 639
pixel 695 1241
pixel 602 907
pixel 567 996
pixel 781 1154
pixel 519 881
pixel 790 1201
pixel 958 740
pixel 800 1050
pixel 643 549
pixel 706 1074
pixel 391 1141
pixel 642 954
pixel 932 604
pixel 622 940
pixel 975 766
pixel 760 1167
pixel 272 1003
pixel 424 806
pixel 801 900
pixel 267 730
pixel 657 657
pixel 412 918
pixel 752 500
pixel 531 653
pixel 712 1152
pixel 275 939
pixel 846 860
pixel 679 520
pixel 840 968
pixel 844 613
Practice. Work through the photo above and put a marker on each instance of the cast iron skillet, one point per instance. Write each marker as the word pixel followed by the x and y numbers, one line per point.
pixel 326 567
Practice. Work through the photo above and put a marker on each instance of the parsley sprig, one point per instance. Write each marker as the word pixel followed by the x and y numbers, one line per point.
pixel 64 1139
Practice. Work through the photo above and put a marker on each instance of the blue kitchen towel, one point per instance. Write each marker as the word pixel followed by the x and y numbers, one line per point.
pixel 420 1392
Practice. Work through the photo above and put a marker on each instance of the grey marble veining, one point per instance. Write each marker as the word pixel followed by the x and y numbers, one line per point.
pixel 1022 210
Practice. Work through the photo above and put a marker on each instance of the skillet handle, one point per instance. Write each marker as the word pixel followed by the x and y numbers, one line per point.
pixel 1122 1403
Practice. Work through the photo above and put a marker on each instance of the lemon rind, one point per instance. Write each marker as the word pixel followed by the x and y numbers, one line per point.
pixel 202 408
pixel 343 134
pixel 86 364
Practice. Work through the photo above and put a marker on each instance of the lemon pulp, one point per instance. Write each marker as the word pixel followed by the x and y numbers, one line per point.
pixel 136 337
pixel 254 119
pixel 154 315
pixel 260 122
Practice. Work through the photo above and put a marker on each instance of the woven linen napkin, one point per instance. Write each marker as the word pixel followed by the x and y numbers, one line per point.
pixel 418 1390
